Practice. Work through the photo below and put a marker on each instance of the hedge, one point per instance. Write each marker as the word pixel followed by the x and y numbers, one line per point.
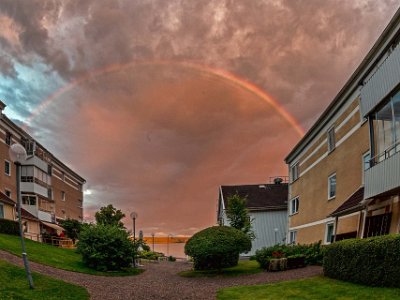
pixel 9 227
pixel 311 254
pixel 373 261
pixel 217 247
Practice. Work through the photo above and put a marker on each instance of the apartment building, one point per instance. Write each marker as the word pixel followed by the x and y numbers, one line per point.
pixel 345 172
pixel 50 190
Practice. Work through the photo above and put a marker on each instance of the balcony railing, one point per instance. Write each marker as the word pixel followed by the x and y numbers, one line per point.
pixel 387 153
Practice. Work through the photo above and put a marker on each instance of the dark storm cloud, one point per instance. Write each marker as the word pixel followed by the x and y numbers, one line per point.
pixel 183 133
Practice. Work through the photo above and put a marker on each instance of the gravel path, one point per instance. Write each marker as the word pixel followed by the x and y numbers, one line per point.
pixel 160 281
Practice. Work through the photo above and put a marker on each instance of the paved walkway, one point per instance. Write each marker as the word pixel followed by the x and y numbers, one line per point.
pixel 160 281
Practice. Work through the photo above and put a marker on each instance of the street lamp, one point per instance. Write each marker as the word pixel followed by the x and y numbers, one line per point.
pixel 169 236
pixel 18 155
pixel 152 235
pixel 134 216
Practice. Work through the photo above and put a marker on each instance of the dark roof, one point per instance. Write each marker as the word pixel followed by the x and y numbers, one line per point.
pixel 5 199
pixel 27 215
pixel 259 196
pixel 352 204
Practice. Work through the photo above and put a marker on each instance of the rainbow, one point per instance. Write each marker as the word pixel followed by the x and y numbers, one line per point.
pixel 198 67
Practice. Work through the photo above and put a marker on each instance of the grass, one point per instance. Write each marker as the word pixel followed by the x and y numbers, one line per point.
pixel 66 259
pixel 306 289
pixel 14 285
pixel 244 267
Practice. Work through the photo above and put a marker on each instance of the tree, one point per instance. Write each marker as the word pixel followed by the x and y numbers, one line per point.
pixel 72 228
pixel 109 215
pixel 238 215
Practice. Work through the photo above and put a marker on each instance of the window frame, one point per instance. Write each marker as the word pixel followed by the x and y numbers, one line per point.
pixel 329 186
pixel 331 139
pixel 3 214
pixel 326 232
pixel 9 167
pixel 63 196
pixel 294 172
pixel 8 138
pixel 293 200
pixel 292 237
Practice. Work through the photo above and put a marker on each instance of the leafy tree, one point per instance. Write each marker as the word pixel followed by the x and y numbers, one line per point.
pixel 109 215
pixel 72 228
pixel 238 215
pixel 106 247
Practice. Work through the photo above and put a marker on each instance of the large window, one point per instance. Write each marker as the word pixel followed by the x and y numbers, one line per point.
pixel 294 206
pixel 332 186
pixel 1 211
pixel 330 233
pixel 33 174
pixel 386 129
pixel 28 200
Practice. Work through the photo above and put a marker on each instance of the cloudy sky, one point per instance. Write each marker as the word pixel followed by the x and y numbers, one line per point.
pixel 158 102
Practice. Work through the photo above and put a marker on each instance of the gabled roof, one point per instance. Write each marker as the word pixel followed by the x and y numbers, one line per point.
pixel 352 204
pixel 259 196
pixel 5 199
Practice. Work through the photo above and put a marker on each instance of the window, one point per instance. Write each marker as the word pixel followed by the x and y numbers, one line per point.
pixel 366 160
pixel 63 196
pixel 8 138
pixel 8 193
pixel 330 233
pixel 331 139
pixel 50 194
pixel 1 211
pixel 332 186
pixel 7 168
pixel 292 236
pixel 294 172
pixel 50 170
pixel 29 145
pixel 28 200
pixel 63 176
pixel 294 206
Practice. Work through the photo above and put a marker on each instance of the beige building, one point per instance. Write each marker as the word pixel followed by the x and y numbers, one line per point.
pixel 50 190
pixel 345 172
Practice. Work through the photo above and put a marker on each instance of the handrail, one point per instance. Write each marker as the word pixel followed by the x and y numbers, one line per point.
pixel 386 153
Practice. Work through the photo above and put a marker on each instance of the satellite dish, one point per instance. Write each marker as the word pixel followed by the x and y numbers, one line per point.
pixel 18 153
pixel 134 215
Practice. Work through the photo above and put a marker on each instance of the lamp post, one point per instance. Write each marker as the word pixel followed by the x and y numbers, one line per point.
pixel 134 216
pixel 18 155
pixel 276 235
pixel 169 236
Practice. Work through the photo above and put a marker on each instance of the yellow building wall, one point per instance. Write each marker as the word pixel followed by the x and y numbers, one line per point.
pixel 312 187
pixel 8 211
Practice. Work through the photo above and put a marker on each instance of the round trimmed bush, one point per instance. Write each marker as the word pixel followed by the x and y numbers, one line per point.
pixel 105 247
pixel 217 247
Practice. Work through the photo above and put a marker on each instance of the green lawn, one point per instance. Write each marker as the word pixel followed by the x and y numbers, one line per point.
pixel 244 267
pixel 311 288
pixel 66 259
pixel 14 285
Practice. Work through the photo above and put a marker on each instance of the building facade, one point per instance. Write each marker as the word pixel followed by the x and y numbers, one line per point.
pixel 345 172
pixel 50 190
pixel 267 207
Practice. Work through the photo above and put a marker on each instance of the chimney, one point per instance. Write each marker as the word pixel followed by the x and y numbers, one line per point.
pixel 2 106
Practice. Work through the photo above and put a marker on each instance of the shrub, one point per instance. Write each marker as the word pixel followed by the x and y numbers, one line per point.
pixel 171 258
pixel 217 247
pixel 150 255
pixel 312 254
pixel 9 227
pixel 105 247
pixel 373 261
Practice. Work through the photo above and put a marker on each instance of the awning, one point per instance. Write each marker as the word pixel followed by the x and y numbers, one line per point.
pixel 5 199
pixel 353 204
pixel 52 225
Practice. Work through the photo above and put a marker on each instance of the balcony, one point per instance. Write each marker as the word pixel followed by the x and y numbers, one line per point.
pixel 33 187
pixel 384 175
pixel 37 162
